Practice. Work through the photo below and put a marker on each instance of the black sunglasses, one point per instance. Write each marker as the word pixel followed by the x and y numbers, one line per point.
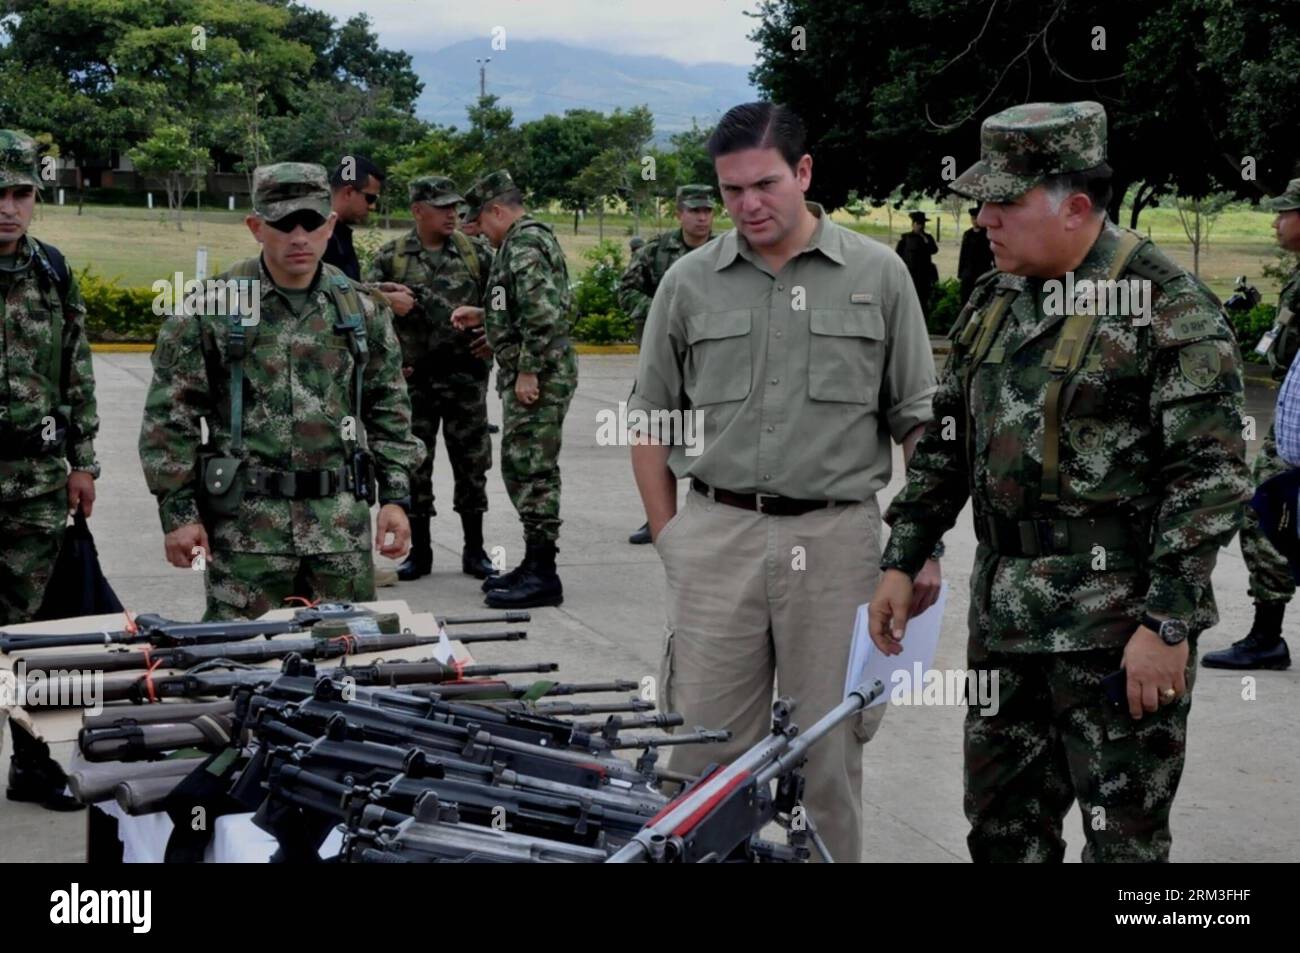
pixel 308 219
pixel 371 197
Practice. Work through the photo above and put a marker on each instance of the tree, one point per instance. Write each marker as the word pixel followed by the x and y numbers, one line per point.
pixel 559 149
pixel 171 155
pixel 617 170
pixel 1197 216
pixel 893 91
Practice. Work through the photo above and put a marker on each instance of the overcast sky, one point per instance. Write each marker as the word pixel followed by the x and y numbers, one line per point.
pixel 692 31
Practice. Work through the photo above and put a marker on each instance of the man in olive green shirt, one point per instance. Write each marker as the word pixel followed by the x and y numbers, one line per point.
pixel 800 348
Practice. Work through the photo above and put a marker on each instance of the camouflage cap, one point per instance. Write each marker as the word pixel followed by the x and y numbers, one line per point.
pixel 287 187
pixel 436 190
pixel 695 196
pixel 1021 146
pixel 1286 202
pixel 485 190
pixel 17 159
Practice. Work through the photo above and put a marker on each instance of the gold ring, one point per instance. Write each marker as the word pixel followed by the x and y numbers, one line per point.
pixel 1169 694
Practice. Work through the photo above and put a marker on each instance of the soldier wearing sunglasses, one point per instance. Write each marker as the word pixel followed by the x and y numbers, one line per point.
pixel 308 417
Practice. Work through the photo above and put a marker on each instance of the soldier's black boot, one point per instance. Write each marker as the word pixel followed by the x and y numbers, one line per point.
pixel 419 561
pixel 35 776
pixel 641 536
pixel 1263 646
pixel 473 560
pixel 537 584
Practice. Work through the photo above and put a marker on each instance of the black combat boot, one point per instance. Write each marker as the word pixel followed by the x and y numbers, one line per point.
pixel 473 559
pixel 537 583
pixel 641 536
pixel 419 561
pixel 35 776
pixel 1263 646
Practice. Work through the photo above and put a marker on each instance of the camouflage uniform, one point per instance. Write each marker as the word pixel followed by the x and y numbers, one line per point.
pixel 34 456
pixel 298 390
pixel 1116 507
pixel 528 313
pixel 636 289
pixel 1270 573
pixel 448 384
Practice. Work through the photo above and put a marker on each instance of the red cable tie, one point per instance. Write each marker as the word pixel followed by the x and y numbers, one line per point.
pixel 148 680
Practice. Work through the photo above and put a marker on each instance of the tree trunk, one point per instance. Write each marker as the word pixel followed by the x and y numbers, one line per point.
pixel 600 221
pixel 575 220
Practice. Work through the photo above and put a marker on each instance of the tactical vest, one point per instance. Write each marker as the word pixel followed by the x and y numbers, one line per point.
pixel 402 260
pixel 1073 341
pixel 225 478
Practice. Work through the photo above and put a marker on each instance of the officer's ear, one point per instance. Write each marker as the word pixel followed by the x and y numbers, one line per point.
pixel 329 224
pixel 255 225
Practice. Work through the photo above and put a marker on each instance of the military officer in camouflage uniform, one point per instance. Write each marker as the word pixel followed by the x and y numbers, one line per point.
pixel 301 387
pixel 48 419
pixel 446 379
pixel 527 315
pixel 48 423
pixel 636 289
pixel 1271 582
pixel 1104 458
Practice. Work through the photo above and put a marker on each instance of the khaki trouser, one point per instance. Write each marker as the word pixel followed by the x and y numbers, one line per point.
pixel 751 598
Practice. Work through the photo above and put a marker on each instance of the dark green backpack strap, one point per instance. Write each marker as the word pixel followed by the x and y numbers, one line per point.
pixel 237 343
pixel 352 323
pixel 52 273
pixel 469 253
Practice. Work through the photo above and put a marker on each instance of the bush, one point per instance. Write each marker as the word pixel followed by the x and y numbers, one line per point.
pixel 945 305
pixel 613 327
pixel 117 314
pixel 596 291
pixel 1249 327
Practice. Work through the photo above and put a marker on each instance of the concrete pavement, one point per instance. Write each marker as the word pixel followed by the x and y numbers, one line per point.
pixel 1239 797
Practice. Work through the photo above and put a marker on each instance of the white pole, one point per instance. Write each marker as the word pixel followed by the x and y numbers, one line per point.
pixel 150 197
pixel 60 196
pixel 201 263
pixel 231 204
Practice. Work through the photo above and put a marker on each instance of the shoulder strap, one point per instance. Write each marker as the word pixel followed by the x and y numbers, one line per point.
pixel 52 272
pixel 661 257
pixel 1073 343
pixel 469 253
pixel 236 350
pixel 983 332
pixel 401 262
pixel 352 323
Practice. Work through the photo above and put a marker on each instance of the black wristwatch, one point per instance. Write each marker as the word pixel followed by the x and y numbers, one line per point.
pixel 1171 631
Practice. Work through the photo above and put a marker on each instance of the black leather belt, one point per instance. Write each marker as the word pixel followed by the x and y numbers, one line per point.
pixel 763 502
pixel 1062 537
pixel 296 484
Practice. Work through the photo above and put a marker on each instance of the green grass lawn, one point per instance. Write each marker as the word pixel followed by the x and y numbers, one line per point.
pixel 138 246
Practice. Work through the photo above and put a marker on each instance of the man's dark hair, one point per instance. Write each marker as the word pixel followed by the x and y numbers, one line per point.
pixel 512 198
pixel 1094 182
pixel 759 125
pixel 362 168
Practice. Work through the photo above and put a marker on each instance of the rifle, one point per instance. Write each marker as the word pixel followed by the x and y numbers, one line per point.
pixel 188 656
pixel 436 833
pixel 158 632
pixel 718 815
pixel 220 677
pixel 490 691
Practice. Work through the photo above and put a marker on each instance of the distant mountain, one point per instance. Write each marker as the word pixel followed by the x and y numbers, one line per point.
pixel 540 77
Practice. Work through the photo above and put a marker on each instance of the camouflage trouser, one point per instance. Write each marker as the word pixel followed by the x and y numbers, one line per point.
pixel 456 400
pixel 246 585
pixel 530 452
pixel 1054 739
pixel 1270 573
pixel 31 532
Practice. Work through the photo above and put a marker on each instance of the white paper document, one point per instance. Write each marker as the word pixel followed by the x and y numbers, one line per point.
pixel 919 643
